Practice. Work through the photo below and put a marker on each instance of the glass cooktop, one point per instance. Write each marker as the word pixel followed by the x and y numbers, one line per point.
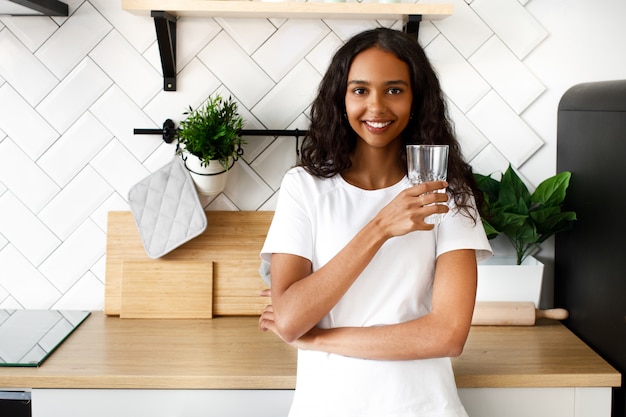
pixel 28 337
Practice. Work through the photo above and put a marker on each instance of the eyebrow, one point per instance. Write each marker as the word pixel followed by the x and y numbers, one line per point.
pixel 391 82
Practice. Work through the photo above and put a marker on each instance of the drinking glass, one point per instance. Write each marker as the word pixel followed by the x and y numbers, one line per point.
pixel 427 163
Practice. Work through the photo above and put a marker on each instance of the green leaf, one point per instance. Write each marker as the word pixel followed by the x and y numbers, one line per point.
pixel 551 192
pixel 490 231
pixel 513 192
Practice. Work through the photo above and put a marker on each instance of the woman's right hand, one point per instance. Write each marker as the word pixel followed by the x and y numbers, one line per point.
pixel 407 211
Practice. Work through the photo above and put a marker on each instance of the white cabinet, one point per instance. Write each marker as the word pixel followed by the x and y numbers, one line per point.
pixel 160 403
pixel 479 402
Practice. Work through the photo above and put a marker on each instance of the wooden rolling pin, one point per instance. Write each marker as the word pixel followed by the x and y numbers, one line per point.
pixel 504 313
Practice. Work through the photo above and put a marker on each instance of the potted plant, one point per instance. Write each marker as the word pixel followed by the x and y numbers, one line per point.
pixel 209 141
pixel 526 219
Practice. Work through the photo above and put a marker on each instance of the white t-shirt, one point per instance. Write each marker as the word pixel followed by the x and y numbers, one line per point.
pixel 315 218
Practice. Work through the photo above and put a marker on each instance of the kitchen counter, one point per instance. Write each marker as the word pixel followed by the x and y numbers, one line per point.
pixel 230 353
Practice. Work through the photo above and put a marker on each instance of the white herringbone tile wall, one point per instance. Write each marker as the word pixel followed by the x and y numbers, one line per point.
pixel 73 89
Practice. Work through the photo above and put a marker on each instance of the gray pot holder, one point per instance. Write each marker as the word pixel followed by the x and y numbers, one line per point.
pixel 167 209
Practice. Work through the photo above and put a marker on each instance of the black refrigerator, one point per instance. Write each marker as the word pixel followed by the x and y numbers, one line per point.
pixel 590 260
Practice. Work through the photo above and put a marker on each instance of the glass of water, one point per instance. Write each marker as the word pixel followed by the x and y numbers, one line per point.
pixel 427 163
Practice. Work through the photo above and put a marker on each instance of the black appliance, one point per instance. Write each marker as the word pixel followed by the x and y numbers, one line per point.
pixel 590 260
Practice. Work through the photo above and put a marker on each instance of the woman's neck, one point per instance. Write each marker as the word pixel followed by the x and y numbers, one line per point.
pixel 373 168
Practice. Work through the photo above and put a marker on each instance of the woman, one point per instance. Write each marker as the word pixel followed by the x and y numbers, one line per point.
pixel 375 299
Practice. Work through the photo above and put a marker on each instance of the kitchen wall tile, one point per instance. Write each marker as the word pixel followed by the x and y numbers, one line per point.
pixel 64 105
pixel 464 29
pixel 83 32
pixel 23 124
pixel 73 151
pixel 61 43
pixel 4 294
pixel 153 57
pixel 289 98
pixel 197 32
pixel 27 286
pixel 272 164
pixel 248 82
pixel 194 84
pixel 108 162
pixel 245 188
pixel 113 203
pixel 288 46
pixel 321 55
pixel 490 162
pixel 221 203
pixel 98 269
pixel 249 34
pixel 254 146
pixel 127 68
pixel 10 303
pixel 507 132
pixel 270 204
pixel 471 139
pixel 517 28
pixel 346 28
pixel 25 231
pixel 137 29
pixel 75 202
pixel 32 31
pixel 507 74
pixel 460 82
pixel 121 116
pixel 428 32
pixel 23 71
pixel 72 259
pixel 86 294
pixel 29 182
pixel 161 156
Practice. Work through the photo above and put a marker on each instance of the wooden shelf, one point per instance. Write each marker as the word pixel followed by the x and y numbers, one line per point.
pixel 165 13
pixel 289 9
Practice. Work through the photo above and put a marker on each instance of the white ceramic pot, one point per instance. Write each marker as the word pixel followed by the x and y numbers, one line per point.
pixel 209 180
pixel 500 279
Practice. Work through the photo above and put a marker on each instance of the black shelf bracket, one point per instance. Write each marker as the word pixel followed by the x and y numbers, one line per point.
pixel 412 26
pixel 165 25
pixel 45 7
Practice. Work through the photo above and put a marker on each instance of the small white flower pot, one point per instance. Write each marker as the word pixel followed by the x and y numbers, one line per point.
pixel 500 279
pixel 209 180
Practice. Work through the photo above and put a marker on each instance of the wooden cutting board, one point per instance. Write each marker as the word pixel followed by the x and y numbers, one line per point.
pixel 232 241
pixel 167 290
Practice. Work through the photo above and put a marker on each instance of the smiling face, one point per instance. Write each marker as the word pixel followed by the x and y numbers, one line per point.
pixel 378 97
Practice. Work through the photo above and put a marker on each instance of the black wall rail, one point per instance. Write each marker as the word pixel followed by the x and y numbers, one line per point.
pixel 169 130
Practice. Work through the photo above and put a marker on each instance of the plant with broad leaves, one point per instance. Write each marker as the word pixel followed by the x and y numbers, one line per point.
pixel 525 219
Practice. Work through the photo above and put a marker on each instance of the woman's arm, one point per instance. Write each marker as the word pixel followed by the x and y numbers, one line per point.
pixel 300 298
pixel 441 333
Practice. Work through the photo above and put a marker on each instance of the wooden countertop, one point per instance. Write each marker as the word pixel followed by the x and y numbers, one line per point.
pixel 230 353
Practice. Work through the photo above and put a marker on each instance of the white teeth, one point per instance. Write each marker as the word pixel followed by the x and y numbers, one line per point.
pixel 378 125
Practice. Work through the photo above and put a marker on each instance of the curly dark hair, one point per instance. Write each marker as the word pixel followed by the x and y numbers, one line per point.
pixel 330 141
